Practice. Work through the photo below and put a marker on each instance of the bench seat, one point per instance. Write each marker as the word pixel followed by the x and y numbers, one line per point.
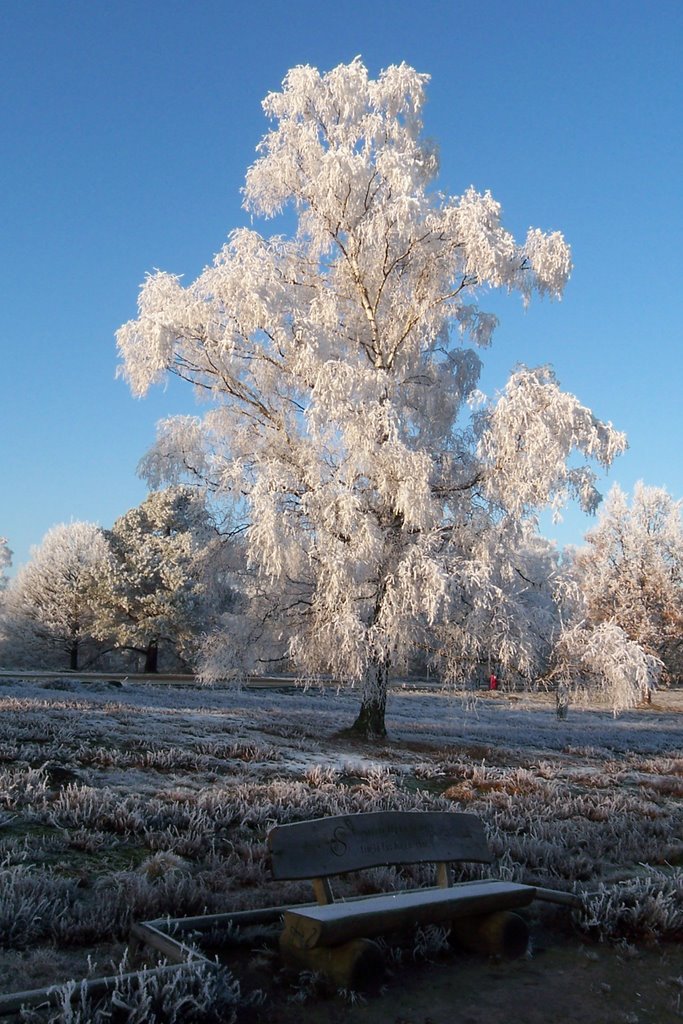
pixel 338 922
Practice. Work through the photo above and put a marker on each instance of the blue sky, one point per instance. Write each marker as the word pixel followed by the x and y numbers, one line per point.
pixel 126 131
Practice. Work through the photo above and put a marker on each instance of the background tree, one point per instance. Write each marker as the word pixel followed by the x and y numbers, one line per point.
pixel 151 592
pixel 5 561
pixel 600 661
pixel 505 619
pixel 48 606
pixel 342 362
pixel 630 571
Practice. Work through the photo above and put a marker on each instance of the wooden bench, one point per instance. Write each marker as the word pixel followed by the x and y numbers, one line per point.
pixel 334 936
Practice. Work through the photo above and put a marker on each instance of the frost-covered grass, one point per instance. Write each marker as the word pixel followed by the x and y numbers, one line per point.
pixel 198 994
pixel 132 803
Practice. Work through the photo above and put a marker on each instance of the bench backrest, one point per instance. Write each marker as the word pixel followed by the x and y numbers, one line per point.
pixel 350 842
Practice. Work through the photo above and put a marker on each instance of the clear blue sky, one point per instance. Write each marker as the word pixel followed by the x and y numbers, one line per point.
pixel 126 130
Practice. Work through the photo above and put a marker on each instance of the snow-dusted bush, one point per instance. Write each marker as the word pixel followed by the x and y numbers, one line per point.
pixel 194 994
pixel 22 787
pixel 31 903
pixel 647 908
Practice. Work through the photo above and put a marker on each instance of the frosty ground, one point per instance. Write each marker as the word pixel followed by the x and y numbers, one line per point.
pixel 129 803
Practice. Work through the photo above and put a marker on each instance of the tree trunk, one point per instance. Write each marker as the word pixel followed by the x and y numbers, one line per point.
pixel 562 701
pixel 73 655
pixel 152 656
pixel 370 721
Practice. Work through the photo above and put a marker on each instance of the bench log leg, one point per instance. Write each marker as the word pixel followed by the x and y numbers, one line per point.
pixel 500 934
pixel 357 965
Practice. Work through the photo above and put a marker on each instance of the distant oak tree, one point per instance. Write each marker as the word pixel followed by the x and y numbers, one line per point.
pixel 150 592
pixel 384 499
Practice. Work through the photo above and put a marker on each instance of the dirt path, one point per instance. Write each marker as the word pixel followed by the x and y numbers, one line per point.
pixel 565 983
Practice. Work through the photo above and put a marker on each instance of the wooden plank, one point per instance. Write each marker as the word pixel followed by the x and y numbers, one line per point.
pixel 205 922
pixel 52 994
pixel 349 842
pixel 178 952
pixel 567 899
pixel 339 922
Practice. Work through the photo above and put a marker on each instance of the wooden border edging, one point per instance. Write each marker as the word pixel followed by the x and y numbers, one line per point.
pixel 150 933
pixel 567 899
pixel 205 922
pixel 154 934
pixel 13 1002
pixel 147 934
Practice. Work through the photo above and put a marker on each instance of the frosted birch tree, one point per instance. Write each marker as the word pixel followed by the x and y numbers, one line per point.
pixel 600 663
pixel 342 363
pixel 48 606
pixel 630 571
